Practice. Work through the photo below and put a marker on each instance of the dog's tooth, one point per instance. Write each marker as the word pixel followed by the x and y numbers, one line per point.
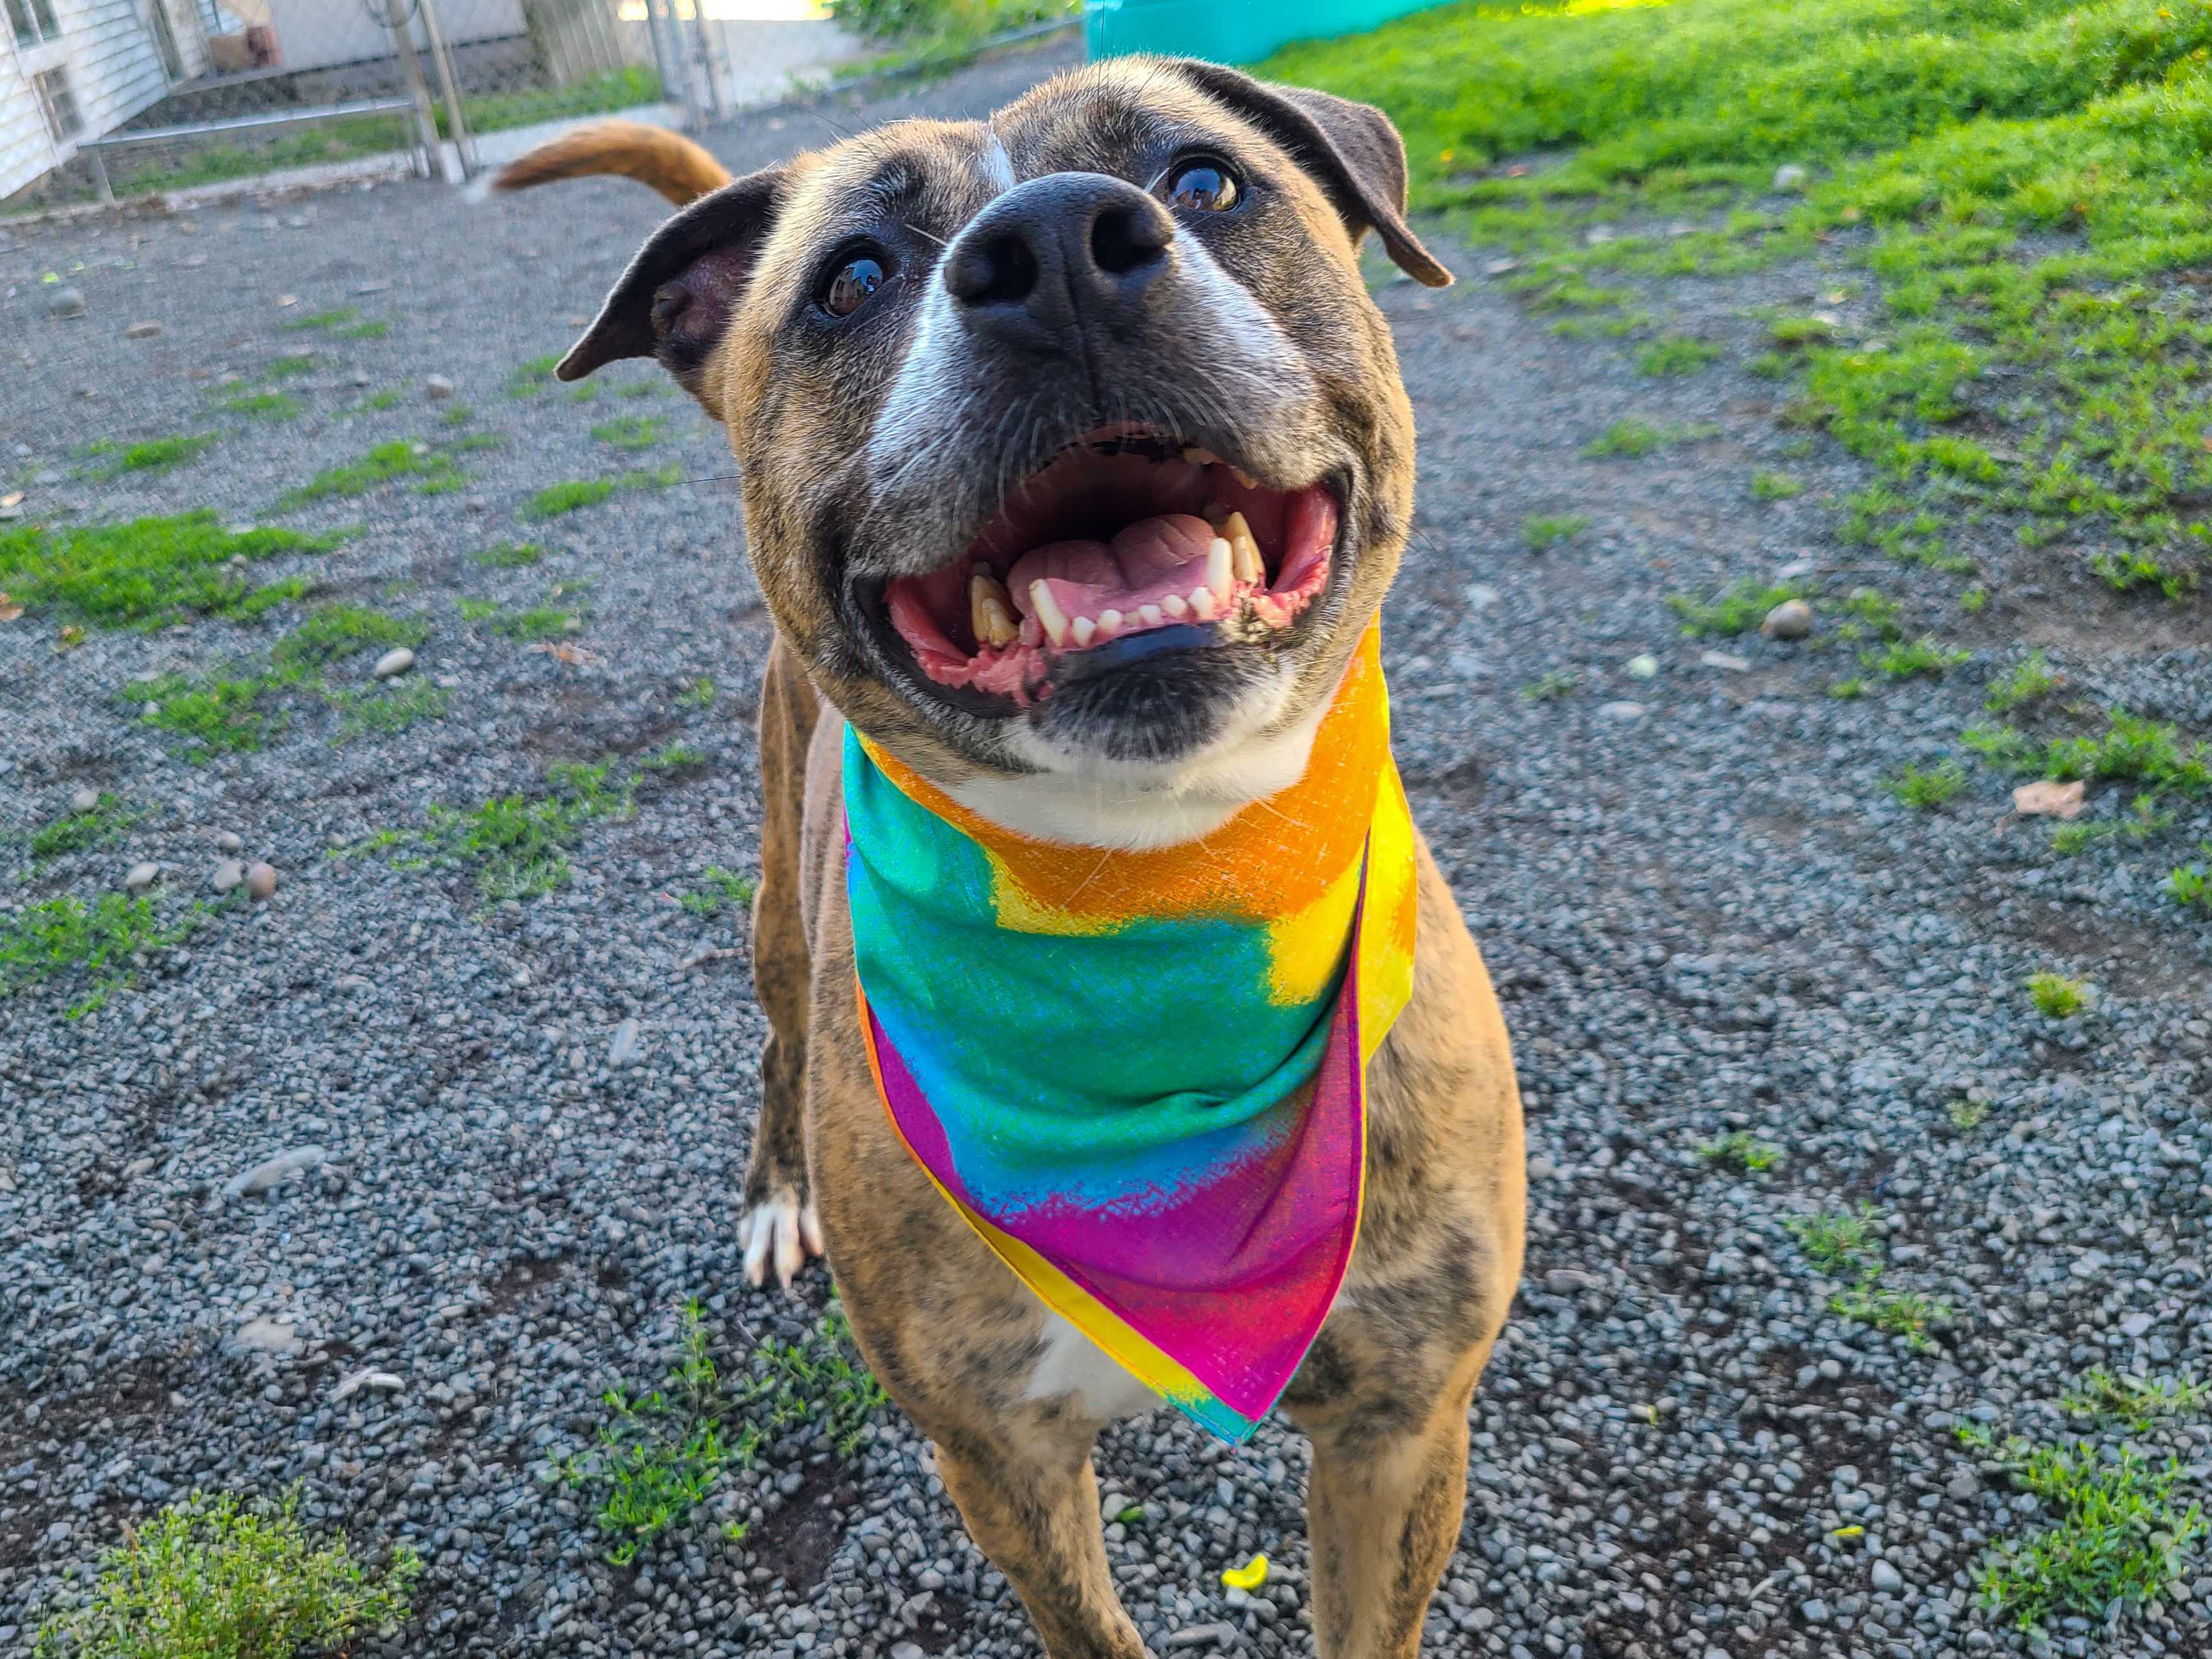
pixel 1197 455
pixel 1220 573
pixel 1049 611
pixel 1243 478
pixel 1245 563
pixel 1201 603
pixel 991 609
pixel 1083 629
pixel 1176 606
pixel 1217 516
pixel 1109 624
pixel 1150 615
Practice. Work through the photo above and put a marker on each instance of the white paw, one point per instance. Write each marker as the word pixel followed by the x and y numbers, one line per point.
pixel 781 1230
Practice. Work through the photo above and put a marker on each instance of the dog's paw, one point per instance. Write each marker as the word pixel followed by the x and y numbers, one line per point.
pixel 782 1231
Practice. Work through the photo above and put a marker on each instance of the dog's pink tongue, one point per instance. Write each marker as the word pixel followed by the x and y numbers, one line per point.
pixel 1149 562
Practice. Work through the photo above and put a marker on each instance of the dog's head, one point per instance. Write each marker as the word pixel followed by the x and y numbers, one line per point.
pixel 1075 456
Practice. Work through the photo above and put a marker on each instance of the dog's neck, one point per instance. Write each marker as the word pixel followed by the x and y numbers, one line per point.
pixel 1139 809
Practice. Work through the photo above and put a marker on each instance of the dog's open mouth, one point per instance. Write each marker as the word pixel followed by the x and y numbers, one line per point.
pixel 1126 533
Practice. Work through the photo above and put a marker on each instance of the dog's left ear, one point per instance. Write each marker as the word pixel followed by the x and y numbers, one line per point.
pixel 1351 149
pixel 676 297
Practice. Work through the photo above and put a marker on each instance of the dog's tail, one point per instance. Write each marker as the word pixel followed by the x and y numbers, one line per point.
pixel 679 169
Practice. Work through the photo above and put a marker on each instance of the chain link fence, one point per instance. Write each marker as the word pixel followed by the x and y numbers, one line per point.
pixel 149 96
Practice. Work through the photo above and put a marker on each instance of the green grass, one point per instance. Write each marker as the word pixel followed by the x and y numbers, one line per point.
pixel 1774 487
pixel 658 1455
pixel 1896 1313
pixel 1677 355
pixel 325 321
pixel 2143 821
pixel 383 465
pixel 1540 532
pixel 1924 791
pixel 1904 660
pixel 720 890
pixel 1629 438
pixel 1841 1243
pixel 223 712
pixel 2057 997
pixel 532 375
pixel 290 367
pixel 2119 1538
pixel 1846 691
pixel 511 555
pixel 632 432
pixel 1557 682
pixel 214 714
pixel 391 398
pixel 149 571
pixel 2189 885
pixel 362 714
pixel 94 945
pixel 105 822
pixel 219 1578
pixel 619 89
pixel 516 846
pixel 1967 1113
pixel 2130 749
pixel 154 455
pixel 537 622
pixel 1738 610
pixel 263 405
pixel 1741 1150
pixel 555 499
pixel 2030 679
pixel 2135 1403
pixel 2019 181
pixel 697 694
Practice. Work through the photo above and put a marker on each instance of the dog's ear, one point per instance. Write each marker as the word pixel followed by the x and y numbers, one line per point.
pixel 675 300
pixel 1351 149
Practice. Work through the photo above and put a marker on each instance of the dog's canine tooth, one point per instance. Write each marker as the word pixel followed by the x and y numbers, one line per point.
pixel 1220 572
pixel 1243 478
pixel 1201 602
pixel 1048 612
pixel 1176 606
pixel 1150 615
pixel 991 609
pixel 1198 455
pixel 1084 629
pixel 1245 563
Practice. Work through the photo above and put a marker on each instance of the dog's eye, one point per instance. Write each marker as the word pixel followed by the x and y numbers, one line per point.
pixel 851 283
pixel 1202 187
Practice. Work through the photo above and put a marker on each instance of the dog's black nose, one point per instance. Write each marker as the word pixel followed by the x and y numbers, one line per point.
pixel 1060 253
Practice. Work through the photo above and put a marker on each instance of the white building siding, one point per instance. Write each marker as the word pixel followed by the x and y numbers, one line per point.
pixel 107 49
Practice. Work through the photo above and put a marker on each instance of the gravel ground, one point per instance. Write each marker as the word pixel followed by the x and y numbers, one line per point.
pixel 527 1119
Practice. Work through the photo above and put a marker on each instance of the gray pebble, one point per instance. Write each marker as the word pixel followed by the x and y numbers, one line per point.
pixel 1792 619
pixel 84 800
pixel 437 388
pixel 227 874
pixel 394 662
pixel 228 842
pixel 140 877
pixel 66 302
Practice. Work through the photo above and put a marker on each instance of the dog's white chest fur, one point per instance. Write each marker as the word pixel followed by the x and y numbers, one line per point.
pixel 1073 1365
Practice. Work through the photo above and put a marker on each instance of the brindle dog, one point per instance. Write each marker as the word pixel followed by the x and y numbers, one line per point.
pixel 901 333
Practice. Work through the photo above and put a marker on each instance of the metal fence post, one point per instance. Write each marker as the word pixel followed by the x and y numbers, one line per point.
pixel 706 54
pixel 426 123
pixel 449 85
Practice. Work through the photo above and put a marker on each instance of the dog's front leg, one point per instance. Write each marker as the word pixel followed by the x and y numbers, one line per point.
pixel 1031 1504
pixel 779 1228
pixel 1383 1513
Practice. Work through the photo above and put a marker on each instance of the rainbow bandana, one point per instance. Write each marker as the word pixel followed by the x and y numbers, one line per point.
pixel 1102 1058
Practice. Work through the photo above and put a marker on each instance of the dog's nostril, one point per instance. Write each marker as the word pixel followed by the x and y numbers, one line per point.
pixel 1001 272
pixel 1121 239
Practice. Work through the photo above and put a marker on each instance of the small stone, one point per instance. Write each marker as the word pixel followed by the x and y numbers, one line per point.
pixel 1887 1578
pixel 142 877
pixel 1963 1485
pixel 228 842
pixel 1792 619
pixel 1644 666
pixel 1480 596
pixel 66 302
pixel 382 1381
pixel 437 388
pixel 623 1049
pixel 1566 1281
pixel 1734 663
pixel 143 331
pixel 266 1336
pixel 1199 1635
pixel 2136 1324
pixel 260 879
pixel 84 800
pixel 908 1650
pixel 1789 176
pixel 1815 1612
pixel 1622 711
pixel 394 662
pixel 227 874
pixel 249 1184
